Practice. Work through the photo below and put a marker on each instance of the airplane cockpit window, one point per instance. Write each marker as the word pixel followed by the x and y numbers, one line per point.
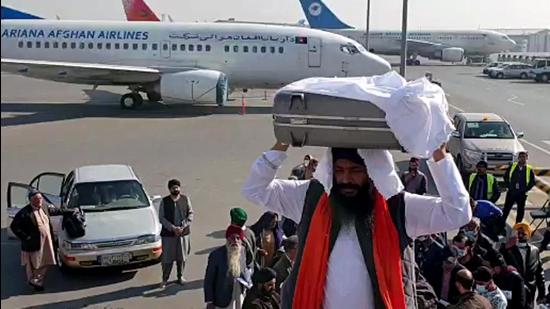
pixel 349 49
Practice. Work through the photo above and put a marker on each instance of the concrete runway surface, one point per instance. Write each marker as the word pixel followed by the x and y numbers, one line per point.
pixel 49 126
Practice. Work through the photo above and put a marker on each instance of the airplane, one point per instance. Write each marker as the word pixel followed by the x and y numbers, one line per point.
pixel 9 13
pixel 448 46
pixel 183 62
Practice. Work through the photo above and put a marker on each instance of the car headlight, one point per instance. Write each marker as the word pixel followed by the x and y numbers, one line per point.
pixel 472 155
pixel 78 246
pixel 147 239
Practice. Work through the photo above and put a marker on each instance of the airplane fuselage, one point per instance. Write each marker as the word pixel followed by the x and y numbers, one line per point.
pixel 252 56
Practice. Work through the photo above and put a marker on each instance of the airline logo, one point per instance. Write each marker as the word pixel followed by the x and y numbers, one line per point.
pixel 315 9
pixel 75 34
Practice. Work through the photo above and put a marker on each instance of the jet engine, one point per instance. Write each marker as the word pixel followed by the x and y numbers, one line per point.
pixel 452 54
pixel 195 86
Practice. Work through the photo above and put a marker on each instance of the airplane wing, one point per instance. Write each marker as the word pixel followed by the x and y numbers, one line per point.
pixel 82 73
pixel 425 46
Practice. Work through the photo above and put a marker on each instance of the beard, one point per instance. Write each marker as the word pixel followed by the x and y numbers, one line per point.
pixel 348 208
pixel 234 260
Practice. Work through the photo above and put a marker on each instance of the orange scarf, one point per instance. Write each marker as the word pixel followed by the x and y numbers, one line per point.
pixel 310 285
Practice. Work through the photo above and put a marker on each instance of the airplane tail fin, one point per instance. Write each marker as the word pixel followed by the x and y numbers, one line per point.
pixel 138 10
pixel 319 16
pixel 9 13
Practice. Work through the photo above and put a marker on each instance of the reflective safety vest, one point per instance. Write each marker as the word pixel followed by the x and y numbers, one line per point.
pixel 527 172
pixel 490 183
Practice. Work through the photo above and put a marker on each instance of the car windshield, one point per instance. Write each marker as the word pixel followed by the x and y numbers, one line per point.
pixel 487 129
pixel 108 195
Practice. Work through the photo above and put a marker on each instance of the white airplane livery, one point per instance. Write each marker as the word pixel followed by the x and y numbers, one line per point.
pixel 190 63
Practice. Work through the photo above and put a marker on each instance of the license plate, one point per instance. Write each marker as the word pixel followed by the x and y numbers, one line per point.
pixel 115 259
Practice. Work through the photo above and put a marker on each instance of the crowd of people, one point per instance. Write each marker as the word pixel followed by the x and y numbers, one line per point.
pixel 473 269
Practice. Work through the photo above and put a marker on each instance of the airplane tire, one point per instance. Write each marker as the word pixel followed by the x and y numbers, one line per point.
pixel 131 100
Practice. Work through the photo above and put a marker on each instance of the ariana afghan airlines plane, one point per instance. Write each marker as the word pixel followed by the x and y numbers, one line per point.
pixel 192 63
pixel 450 46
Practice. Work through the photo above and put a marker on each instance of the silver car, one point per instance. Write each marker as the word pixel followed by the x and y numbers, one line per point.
pixel 122 225
pixel 483 136
pixel 511 71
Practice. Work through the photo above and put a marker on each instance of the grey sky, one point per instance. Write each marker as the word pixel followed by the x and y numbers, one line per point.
pixel 386 14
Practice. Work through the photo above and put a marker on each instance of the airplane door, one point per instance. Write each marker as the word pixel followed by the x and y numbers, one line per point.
pixel 314 52
pixel 165 49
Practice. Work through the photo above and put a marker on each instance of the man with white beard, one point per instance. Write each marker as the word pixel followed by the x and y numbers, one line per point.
pixel 227 275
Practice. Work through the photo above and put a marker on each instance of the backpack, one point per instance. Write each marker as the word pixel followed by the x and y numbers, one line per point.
pixel 74 224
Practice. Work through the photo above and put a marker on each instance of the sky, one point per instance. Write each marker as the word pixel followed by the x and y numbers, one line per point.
pixel 385 14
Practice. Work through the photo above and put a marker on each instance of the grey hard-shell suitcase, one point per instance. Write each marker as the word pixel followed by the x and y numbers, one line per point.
pixel 306 119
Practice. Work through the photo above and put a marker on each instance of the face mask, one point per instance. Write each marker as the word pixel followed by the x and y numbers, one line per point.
pixel 306 163
pixel 522 244
pixel 472 235
pixel 459 252
pixel 481 288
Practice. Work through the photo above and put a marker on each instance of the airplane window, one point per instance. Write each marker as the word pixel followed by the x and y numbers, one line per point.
pixel 349 49
pixel 125 45
pixel 81 45
pixel 263 49
pixel 199 47
pixel 191 47
pixel 164 46
pixel 254 49
pixel 73 45
pixel 281 49
pixel 154 46
pixel 135 46
pixel 29 44
pixel 144 46
pixel 99 45
pixel 55 45
pixel 208 48
pixel 182 47
pixel 90 45
pixel 20 44
pixel 174 47
pixel 46 44
pixel 272 49
pixel 107 45
pixel 38 44
pixel 226 48
pixel 245 49
pixel 235 49
pixel 117 45
pixel 64 45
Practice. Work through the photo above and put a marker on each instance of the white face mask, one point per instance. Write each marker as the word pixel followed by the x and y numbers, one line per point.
pixel 481 288
pixel 522 244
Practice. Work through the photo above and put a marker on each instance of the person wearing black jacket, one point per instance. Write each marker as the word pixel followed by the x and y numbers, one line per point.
pixel 519 179
pixel 482 185
pixel 510 283
pixel 526 259
pixel 32 226
pixel 482 245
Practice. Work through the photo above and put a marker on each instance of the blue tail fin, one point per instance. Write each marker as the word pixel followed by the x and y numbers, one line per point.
pixel 8 13
pixel 319 16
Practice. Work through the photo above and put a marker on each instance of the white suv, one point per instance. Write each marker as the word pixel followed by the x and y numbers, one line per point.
pixel 122 225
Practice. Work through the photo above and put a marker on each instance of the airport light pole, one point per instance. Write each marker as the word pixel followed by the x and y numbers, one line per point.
pixel 404 38
pixel 367 30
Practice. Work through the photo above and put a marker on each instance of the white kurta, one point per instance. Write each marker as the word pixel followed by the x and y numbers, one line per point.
pixel 348 283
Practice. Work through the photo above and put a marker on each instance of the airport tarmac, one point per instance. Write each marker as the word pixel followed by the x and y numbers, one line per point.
pixel 48 126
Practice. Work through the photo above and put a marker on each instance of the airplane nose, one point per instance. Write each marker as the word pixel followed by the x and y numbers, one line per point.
pixel 377 65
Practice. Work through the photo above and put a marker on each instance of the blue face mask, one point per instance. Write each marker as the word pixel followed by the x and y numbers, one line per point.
pixel 472 235
pixel 481 288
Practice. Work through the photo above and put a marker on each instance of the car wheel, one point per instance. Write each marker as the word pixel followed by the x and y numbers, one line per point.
pixel 523 76
pixel 417 62
pixel 545 77
pixel 500 76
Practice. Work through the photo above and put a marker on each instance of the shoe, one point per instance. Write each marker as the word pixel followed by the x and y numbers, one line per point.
pixel 36 287
pixel 162 285
pixel 181 281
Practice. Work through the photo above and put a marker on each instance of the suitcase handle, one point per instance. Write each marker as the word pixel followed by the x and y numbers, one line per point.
pixel 299 98
pixel 295 142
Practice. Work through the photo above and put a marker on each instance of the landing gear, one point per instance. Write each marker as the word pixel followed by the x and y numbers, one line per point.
pixel 153 96
pixel 413 62
pixel 131 100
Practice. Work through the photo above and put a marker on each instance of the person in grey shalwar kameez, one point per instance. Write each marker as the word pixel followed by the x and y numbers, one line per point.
pixel 176 215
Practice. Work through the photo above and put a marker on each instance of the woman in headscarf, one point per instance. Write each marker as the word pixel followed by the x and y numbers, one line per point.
pixel 269 237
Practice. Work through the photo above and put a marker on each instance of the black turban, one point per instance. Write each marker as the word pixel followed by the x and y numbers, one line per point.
pixel 263 275
pixel 348 154
pixel 173 182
